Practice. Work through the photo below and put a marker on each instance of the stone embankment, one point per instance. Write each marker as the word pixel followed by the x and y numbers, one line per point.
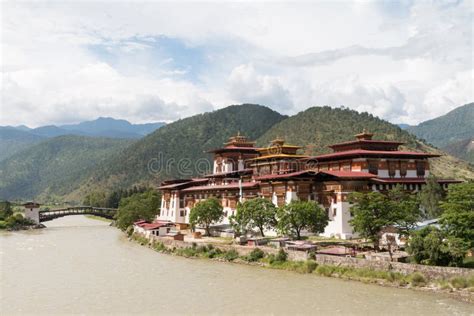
pixel 432 272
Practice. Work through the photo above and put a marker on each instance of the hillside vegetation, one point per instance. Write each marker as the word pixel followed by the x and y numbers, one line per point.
pixel 318 127
pixel 455 126
pixel 463 149
pixel 74 166
pixel 179 149
pixel 55 166
pixel 13 140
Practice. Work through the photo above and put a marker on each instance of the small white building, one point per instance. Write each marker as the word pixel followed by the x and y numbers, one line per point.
pixel 152 229
pixel 32 211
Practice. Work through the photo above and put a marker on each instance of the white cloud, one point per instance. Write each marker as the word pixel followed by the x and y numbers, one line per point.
pixel 406 61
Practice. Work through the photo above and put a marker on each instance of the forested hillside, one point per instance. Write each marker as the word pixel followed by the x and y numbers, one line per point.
pixel 455 126
pixel 55 166
pixel 14 140
pixel 463 149
pixel 180 145
pixel 318 127
pixel 74 166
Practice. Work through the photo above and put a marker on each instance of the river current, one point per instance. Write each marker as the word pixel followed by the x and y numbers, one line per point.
pixel 83 266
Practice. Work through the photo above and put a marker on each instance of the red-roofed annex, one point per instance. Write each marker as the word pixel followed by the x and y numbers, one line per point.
pixel 278 172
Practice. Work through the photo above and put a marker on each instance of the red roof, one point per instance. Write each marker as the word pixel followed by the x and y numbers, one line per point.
pixel 233 148
pixel 151 226
pixel 412 180
pixel 245 185
pixel 180 184
pixel 312 174
pixel 367 141
pixel 348 174
pixel 363 152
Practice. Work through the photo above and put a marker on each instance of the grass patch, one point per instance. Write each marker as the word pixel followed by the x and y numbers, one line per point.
pixel 99 218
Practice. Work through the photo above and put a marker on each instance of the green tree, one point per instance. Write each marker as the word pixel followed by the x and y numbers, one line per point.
pixel 458 212
pixel 431 246
pixel 405 209
pixel 430 197
pixel 205 213
pixel 254 213
pixel 140 206
pixel 300 215
pixel 5 210
pixel 371 212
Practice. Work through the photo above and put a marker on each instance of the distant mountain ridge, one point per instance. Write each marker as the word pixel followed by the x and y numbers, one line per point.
pixel 16 138
pixel 179 150
pixel 456 125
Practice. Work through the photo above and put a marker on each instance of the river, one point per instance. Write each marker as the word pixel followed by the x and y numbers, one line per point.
pixel 83 266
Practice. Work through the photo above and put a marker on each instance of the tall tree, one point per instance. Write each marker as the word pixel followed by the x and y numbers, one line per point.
pixel 140 206
pixel 432 246
pixel 301 215
pixel 371 213
pixel 430 197
pixel 458 216
pixel 206 213
pixel 255 213
pixel 405 209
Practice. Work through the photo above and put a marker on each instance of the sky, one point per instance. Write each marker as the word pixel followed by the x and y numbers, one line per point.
pixel 64 62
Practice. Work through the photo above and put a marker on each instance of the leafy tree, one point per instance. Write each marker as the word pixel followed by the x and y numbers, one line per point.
pixel 430 197
pixel 405 209
pixel 371 212
pixel 140 206
pixel 206 213
pixel 255 213
pixel 5 210
pixel 458 216
pixel 299 215
pixel 432 246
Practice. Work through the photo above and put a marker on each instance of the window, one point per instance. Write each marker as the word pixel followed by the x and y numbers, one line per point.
pixel 420 168
pixel 403 169
pixel 391 168
pixel 373 167
pixel 181 213
pixel 334 212
pixel 181 203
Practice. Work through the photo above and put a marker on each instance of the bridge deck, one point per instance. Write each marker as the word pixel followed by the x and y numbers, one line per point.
pixel 78 210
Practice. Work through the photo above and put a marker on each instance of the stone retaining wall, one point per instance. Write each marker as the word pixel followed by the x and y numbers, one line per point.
pixel 404 268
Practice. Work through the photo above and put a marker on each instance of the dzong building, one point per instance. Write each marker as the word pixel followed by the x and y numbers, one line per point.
pixel 279 173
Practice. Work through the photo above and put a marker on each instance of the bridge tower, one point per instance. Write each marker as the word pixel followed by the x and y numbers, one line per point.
pixel 32 211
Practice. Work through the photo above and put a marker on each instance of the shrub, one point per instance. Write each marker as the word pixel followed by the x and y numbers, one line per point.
pixel 311 265
pixel 3 224
pixel 281 256
pixel 231 255
pixel 417 279
pixel 312 255
pixel 158 246
pixel 212 253
pixel 255 255
pixel 324 270
pixel 459 282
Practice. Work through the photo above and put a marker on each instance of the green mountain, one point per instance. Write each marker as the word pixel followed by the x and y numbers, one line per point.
pixel 55 166
pixel 455 126
pixel 13 140
pixel 179 149
pixel 463 149
pixel 73 166
pixel 318 127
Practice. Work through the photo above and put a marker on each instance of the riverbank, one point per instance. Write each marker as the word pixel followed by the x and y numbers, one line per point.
pixel 459 287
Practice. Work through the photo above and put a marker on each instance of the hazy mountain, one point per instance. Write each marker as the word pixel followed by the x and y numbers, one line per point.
pixel 404 126
pixel 72 166
pixel 463 149
pixel 55 166
pixel 109 127
pixel 16 138
pixel 454 126
pixel 13 140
